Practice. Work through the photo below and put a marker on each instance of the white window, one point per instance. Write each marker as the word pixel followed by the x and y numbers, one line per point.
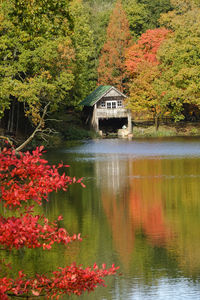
pixel 119 103
pixel 103 104
pixel 111 104
pixel 114 104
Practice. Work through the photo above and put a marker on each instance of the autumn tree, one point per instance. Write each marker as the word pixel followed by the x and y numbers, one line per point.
pixel 142 65
pixel 25 180
pixel 141 14
pixel 111 68
pixel 179 57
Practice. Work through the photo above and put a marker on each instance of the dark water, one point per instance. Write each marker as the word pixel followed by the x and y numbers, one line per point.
pixel 140 210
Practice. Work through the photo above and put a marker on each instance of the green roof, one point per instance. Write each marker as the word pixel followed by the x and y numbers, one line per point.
pixel 96 95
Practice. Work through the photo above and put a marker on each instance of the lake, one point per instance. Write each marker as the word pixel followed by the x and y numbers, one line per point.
pixel 140 210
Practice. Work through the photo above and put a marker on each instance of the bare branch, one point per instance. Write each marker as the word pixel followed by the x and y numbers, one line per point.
pixel 37 129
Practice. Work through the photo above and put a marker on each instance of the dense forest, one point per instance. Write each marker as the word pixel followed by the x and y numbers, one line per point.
pixel 53 53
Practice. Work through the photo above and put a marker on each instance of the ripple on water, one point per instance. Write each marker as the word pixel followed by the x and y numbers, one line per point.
pixel 96 149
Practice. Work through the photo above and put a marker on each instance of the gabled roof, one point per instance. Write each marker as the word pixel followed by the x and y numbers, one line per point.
pixel 97 94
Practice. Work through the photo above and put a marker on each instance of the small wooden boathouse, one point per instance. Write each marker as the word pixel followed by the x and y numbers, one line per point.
pixel 106 102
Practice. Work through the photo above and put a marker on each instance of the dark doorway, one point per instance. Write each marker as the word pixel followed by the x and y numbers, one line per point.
pixel 112 124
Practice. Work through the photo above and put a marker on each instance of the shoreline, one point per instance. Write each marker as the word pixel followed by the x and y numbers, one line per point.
pixel 76 133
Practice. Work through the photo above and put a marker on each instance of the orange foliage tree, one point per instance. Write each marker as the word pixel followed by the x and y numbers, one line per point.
pixel 142 66
pixel 145 49
pixel 111 68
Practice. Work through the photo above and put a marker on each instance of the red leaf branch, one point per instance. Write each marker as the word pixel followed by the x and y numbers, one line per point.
pixel 26 177
pixel 32 232
pixel 69 280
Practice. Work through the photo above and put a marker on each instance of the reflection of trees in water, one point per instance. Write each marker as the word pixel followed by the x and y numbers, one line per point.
pixel 122 230
pixel 132 204
pixel 158 199
pixel 148 215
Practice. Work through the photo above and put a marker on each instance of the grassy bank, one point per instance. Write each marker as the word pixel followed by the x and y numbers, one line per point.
pixel 175 129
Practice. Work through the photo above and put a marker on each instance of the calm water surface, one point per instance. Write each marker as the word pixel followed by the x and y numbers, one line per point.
pixel 140 210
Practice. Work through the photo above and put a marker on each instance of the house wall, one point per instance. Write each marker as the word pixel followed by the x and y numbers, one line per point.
pixel 113 93
pixel 111 106
pixel 103 103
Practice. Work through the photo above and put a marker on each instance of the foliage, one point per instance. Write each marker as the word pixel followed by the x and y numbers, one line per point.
pixel 54 53
pixel 111 63
pixel 70 280
pixel 183 6
pixel 142 65
pixel 144 100
pixel 141 14
pixel 138 17
pixel 27 178
pixel 155 9
pixel 70 127
pixel 47 57
pixel 74 132
pixel 37 56
pixel 145 50
pixel 179 58
pixel 83 42
pixel 99 11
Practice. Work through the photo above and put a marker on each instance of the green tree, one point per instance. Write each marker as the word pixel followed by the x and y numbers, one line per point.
pixel 180 59
pixel 111 68
pixel 138 17
pixel 36 55
pixel 145 14
pixel 99 11
pixel 155 8
pixel 99 15
pixel 83 42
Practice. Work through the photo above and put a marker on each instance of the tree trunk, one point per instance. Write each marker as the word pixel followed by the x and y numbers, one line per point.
pixel 17 121
pixel 156 123
pixel 12 117
pixel 9 118
pixel 10 125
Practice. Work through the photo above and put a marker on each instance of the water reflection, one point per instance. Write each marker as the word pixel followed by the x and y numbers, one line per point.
pixel 156 200
pixel 167 147
pixel 140 210
pixel 133 206
pixel 144 200
pixel 111 173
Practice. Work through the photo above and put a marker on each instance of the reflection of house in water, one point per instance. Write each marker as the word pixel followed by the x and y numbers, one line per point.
pixel 111 173
pixel 112 178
